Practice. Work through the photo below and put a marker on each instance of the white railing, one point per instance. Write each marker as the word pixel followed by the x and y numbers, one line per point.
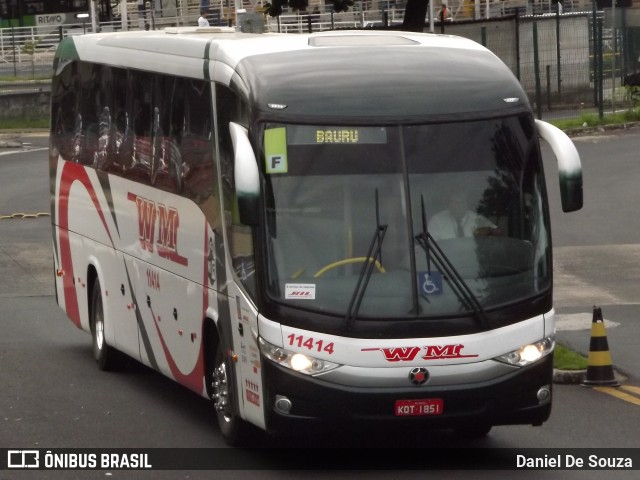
pixel 26 50
pixel 317 22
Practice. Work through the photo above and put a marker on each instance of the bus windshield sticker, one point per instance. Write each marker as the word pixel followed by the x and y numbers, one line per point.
pixel 300 291
pixel 323 135
pixel 275 150
pixel 430 283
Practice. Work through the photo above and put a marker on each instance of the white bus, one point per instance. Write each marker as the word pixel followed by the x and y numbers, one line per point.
pixel 263 219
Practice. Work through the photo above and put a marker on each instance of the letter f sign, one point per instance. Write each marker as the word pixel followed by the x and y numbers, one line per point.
pixel 277 163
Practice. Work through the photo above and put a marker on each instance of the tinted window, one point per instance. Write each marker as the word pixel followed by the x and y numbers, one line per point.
pixel 151 128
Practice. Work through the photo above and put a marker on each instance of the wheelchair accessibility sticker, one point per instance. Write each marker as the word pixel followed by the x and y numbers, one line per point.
pixel 430 283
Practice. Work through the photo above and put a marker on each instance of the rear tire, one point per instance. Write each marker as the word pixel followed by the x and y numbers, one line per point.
pixel 105 356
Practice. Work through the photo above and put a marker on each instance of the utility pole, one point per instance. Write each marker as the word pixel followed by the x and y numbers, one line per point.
pixel 124 15
pixel 94 19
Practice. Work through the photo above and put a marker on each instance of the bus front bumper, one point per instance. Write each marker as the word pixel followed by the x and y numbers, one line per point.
pixel 520 397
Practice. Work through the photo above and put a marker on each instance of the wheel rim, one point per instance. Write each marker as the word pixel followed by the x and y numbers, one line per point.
pixel 98 327
pixel 99 333
pixel 220 393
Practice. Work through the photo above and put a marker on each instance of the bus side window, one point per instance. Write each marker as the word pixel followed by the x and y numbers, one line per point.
pixel 166 160
pixel 119 147
pixel 63 106
pixel 176 112
pixel 86 125
pixel 103 101
pixel 195 143
pixel 141 115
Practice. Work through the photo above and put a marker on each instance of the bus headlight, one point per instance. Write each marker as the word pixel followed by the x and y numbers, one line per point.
pixel 299 362
pixel 527 354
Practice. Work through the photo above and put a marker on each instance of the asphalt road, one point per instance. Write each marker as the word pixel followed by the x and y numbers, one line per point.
pixel 53 396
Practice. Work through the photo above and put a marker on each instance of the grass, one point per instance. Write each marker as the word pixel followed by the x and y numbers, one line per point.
pixel 565 359
pixel 592 120
pixel 26 123
pixel 30 78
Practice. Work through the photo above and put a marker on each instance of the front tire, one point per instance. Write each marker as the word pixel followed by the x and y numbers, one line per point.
pixel 104 355
pixel 222 391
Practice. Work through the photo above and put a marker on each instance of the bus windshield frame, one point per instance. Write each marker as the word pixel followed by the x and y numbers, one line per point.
pixel 330 188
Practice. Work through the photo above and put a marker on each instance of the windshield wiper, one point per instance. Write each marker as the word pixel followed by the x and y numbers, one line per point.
pixel 460 287
pixel 373 255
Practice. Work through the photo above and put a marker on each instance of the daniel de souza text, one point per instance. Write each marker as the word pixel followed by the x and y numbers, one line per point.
pixel 568 461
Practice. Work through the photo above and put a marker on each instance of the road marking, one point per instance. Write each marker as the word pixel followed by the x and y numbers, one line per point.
pixel 615 392
pixel 579 321
pixel 25 150
pixel 24 215
pixel 631 388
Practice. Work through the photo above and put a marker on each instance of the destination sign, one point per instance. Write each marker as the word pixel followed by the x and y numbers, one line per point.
pixel 321 135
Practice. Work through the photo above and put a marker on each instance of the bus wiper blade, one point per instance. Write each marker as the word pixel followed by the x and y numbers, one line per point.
pixel 433 250
pixel 373 254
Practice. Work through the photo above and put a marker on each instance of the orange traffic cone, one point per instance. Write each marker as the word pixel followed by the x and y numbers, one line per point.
pixel 599 369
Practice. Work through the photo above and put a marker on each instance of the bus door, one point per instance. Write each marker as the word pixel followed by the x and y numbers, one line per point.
pixel 244 325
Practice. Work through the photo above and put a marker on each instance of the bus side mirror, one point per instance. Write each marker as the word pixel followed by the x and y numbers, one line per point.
pixel 569 166
pixel 247 176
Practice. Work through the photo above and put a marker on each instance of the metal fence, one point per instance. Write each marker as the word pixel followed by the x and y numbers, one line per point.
pixel 569 64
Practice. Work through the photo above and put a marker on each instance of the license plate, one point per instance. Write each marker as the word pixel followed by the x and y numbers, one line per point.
pixel 426 406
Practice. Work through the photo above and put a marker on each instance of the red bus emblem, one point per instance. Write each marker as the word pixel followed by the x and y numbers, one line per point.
pixel 431 352
pixel 166 243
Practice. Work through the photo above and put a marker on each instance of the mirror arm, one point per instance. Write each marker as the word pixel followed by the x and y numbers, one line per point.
pixel 569 165
pixel 246 175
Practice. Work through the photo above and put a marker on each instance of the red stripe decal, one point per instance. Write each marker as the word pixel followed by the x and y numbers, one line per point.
pixel 72 172
pixel 194 379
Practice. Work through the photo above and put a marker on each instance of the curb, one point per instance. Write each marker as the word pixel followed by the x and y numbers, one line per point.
pixel 11 144
pixel 580 131
pixel 21 138
pixel 574 377
pixel 568 377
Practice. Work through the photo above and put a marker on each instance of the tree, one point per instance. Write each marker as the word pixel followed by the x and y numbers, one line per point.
pixel 274 8
pixel 414 14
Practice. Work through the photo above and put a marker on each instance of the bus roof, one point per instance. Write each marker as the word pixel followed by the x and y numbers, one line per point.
pixel 342 74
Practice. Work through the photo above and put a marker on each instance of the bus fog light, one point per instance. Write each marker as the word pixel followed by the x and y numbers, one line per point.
pixel 282 404
pixel 527 354
pixel 544 394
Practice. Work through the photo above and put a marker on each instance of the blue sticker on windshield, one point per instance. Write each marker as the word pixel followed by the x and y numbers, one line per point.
pixel 430 283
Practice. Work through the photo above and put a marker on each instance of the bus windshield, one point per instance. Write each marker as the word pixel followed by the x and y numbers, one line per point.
pixel 462 206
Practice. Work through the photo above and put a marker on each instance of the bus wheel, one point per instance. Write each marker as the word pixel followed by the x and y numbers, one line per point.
pixel 104 354
pixel 233 428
